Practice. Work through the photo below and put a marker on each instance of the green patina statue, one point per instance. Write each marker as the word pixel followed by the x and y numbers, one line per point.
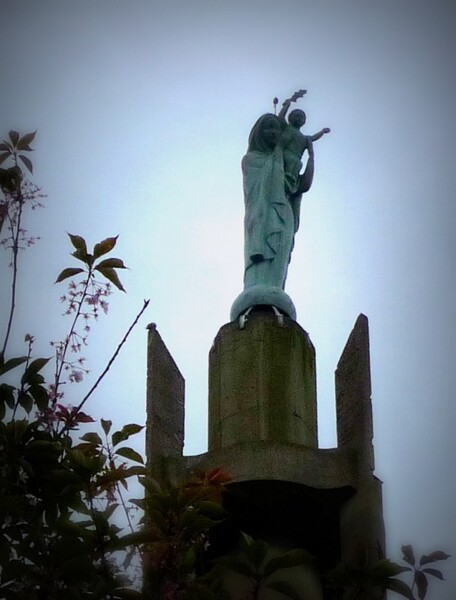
pixel 273 187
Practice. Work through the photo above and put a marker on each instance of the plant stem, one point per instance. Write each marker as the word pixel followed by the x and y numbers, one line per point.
pixel 16 233
pixel 58 373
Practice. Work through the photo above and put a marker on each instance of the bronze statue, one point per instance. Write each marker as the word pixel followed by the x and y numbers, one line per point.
pixel 273 187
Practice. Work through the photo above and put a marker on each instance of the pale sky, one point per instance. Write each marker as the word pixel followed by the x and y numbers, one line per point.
pixel 143 111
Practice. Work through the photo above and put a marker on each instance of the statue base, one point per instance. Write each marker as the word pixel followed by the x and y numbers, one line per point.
pixel 263 295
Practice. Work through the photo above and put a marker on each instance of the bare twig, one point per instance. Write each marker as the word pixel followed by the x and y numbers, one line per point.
pixel 113 357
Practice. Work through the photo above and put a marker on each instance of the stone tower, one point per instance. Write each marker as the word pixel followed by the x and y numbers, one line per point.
pixel 263 432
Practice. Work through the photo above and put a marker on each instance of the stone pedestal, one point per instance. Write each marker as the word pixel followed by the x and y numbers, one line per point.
pixel 262 384
pixel 263 433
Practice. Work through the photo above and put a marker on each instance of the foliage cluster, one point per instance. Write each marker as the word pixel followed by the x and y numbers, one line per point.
pixel 62 493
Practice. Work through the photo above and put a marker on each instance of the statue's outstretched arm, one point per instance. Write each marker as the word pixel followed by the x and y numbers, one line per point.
pixel 319 134
pixel 288 101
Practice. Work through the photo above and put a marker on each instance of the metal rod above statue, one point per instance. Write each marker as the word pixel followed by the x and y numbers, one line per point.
pixel 273 188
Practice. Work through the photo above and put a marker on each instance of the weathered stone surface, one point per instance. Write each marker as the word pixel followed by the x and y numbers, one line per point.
pixel 353 396
pixel 250 461
pixel 165 404
pixel 361 518
pixel 362 530
pixel 263 433
pixel 262 384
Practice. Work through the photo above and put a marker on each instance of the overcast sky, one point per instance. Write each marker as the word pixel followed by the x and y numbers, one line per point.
pixel 143 111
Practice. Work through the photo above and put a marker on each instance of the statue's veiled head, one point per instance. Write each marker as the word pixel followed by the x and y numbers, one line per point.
pixel 265 134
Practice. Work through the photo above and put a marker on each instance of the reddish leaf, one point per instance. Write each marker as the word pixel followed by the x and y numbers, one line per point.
pixel 78 242
pixel 434 573
pixel 25 140
pixel 112 276
pixel 83 256
pixel 408 553
pixel 69 272
pixel 421 584
pixel 106 425
pixel 27 162
pixel 4 156
pixel 81 417
pixel 395 585
pixel 130 453
pixel 111 263
pixel 125 432
pixel 433 557
pixel 14 137
pixel 92 438
pixel 6 146
pixel 105 246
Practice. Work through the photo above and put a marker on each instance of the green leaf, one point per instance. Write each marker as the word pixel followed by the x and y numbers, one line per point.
pixel 257 553
pixel 14 137
pixel 199 591
pixel 112 276
pixel 33 368
pixel 4 156
pixel 131 539
pixel 211 509
pixel 27 162
pixel 25 401
pixel 125 433
pixel 434 573
pixel 78 242
pixel 104 247
pixel 7 394
pixel 12 363
pixel 395 585
pixel 151 485
pixel 235 564
pixel 284 588
pixel 385 568
pixel 421 584
pixel 111 263
pixel 130 453
pixel 110 510
pixel 26 140
pixel 433 557
pixel 92 437
pixel 290 559
pixel 69 272
pixel 189 559
pixel 408 553
pixel 106 425
pixel 40 396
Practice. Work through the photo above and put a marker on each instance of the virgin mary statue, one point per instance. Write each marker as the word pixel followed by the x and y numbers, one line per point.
pixel 269 224
pixel 269 220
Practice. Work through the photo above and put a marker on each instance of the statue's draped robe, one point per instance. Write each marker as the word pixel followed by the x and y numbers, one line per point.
pixel 269 220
